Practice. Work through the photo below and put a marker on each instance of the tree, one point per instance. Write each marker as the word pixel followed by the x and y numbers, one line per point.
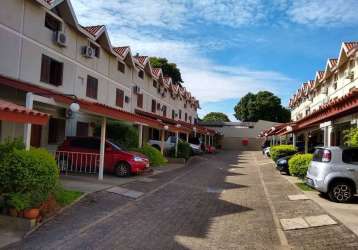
pixel 169 69
pixel 216 117
pixel 261 106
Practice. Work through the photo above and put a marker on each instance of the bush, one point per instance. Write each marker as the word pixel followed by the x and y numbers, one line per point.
pixel 33 173
pixel 298 164
pixel 121 133
pixel 154 155
pixel 19 201
pixel 279 151
pixel 9 145
pixel 351 137
pixel 184 150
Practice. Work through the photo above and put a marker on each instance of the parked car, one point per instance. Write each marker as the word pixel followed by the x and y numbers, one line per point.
pixel 282 164
pixel 334 170
pixel 170 143
pixel 116 160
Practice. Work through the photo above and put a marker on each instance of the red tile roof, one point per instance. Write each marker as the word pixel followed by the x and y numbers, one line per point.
pixel 351 45
pixel 93 30
pixel 15 113
pixel 333 61
pixel 121 51
pixel 320 74
pixel 156 71
pixel 141 59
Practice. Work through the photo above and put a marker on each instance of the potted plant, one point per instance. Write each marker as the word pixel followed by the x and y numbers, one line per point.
pixel 17 202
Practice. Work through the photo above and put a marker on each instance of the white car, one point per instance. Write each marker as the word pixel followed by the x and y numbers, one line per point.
pixel 170 143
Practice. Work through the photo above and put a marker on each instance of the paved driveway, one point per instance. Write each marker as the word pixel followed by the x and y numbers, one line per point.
pixel 228 201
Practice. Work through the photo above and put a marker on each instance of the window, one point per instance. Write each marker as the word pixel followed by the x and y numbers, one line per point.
pixel 189 119
pixel 154 106
pixel 82 129
pixel 173 114
pixel 96 49
pixel 350 156
pixel 56 130
pixel 119 98
pixel 92 87
pixel 335 85
pixel 140 100
pixel 186 117
pixel 121 67
pixel 51 71
pixel 351 64
pixel 141 74
pixel 158 106
pixel 179 113
pixel 155 84
pixel 52 23
pixel 164 111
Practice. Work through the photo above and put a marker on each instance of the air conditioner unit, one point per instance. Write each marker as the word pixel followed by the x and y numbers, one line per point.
pixel 88 52
pixel 61 38
pixel 136 90
pixel 350 75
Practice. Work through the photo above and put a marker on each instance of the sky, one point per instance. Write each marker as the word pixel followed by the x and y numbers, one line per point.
pixel 227 48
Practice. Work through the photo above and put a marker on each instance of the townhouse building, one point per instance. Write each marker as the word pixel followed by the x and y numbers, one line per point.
pixel 49 61
pixel 323 108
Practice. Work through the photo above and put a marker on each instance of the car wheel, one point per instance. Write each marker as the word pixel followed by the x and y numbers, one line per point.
pixel 340 192
pixel 123 169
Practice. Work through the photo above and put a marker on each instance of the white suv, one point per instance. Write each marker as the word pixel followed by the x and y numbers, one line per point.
pixel 334 170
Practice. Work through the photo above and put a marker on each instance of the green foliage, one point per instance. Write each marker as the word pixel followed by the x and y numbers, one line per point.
pixel 19 201
pixel 184 150
pixel 33 173
pixel 298 164
pixel 65 197
pixel 154 155
pixel 216 116
pixel 279 151
pixel 351 137
pixel 9 145
pixel 303 186
pixel 121 133
pixel 261 106
pixel 169 69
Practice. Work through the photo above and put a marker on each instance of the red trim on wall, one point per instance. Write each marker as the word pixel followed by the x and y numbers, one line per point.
pixel 17 117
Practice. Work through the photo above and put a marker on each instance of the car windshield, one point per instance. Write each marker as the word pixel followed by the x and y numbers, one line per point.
pixel 115 145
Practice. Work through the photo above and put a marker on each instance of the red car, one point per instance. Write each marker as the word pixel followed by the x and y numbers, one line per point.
pixel 82 153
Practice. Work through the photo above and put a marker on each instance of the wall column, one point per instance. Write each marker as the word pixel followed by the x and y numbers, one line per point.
pixel 140 137
pixel 329 135
pixel 102 148
pixel 294 139
pixel 187 137
pixel 27 127
pixel 162 141
pixel 176 143
pixel 306 142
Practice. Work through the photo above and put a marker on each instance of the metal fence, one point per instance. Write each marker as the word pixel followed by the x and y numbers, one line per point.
pixel 77 162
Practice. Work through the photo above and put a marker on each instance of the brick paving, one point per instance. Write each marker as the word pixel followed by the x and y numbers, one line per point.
pixel 177 212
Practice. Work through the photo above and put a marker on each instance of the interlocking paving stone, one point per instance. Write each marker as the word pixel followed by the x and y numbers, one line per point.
pixel 298 197
pixel 125 192
pixel 293 223
pixel 320 220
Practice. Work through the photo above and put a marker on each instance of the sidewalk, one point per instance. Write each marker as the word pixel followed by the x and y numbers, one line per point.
pixel 347 213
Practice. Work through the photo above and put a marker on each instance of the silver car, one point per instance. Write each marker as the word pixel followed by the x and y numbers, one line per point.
pixel 334 170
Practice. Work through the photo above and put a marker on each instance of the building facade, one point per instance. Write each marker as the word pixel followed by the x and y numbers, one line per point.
pixel 47 53
pixel 323 108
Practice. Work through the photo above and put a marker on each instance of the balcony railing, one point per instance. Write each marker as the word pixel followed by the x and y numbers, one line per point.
pixel 77 162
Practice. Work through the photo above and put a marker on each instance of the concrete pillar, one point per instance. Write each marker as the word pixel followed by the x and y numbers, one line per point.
pixel 205 139
pixel 187 137
pixel 162 141
pixel 27 127
pixel 102 148
pixel 176 144
pixel 294 139
pixel 140 137
pixel 329 136
pixel 306 142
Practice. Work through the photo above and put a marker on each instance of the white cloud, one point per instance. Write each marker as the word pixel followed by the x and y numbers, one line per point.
pixel 324 12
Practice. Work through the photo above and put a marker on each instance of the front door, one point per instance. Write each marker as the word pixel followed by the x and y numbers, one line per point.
pixel 36 136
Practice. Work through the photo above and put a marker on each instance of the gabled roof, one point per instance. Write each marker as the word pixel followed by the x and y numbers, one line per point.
pixel 94 30
pixel 141 60
pixel 157 72
pixel 121 51
pixel 346 50
pixel 348 46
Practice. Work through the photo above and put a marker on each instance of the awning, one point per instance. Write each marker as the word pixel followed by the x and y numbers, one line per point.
pixel 15 113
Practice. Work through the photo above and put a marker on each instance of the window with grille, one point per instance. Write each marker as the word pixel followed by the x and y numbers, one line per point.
pixel 141 74
pixel 121 67
pixel 154 106
pixel 92 87
pixel 119 98
pixel 140 100
pixel 51 71
pixel 52 23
